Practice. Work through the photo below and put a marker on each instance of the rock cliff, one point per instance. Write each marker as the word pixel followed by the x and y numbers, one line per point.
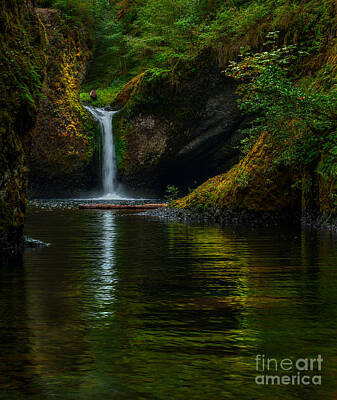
pixel 22 67
pixel 176 128
pixel 62 158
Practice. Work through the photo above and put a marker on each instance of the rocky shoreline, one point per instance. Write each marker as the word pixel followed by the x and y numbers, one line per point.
pixel 244 218
pixel 225 217
pixel 211 216
pixel 319 222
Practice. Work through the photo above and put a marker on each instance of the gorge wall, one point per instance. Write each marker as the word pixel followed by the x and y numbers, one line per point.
pixel 22 68
pixel 62 160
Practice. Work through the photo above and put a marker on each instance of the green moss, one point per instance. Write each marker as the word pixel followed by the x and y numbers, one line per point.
pixel 22 68
pixel 120 127
pixel 65 136
pixel 254 184
pixel 105 96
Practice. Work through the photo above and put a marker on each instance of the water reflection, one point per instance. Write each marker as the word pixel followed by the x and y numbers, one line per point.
pixel 105 274
pixel 125 307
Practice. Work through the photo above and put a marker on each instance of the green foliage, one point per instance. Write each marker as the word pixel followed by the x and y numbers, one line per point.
pixel 171 193
pixel 120 148
pixel 159 34
pixel 130 37
pixel 166 28
pixel 77 11
pixel 104 96
pixel 301 118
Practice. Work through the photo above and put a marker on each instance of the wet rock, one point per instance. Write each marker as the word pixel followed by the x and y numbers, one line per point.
pixel 34 243
pixel 179 134
pixel 225 217
pixel 110 108
pixel 93 94
pixel 63 160
pixel 22 65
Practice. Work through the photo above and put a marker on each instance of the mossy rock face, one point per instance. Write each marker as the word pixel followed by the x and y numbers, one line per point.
pixel 257 185
pixel 254 184
pixel 22 69
pixel 176 127
pixel 63 151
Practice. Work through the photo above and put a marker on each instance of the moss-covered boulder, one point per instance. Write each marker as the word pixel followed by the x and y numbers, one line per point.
pixel 22 67
pixel 258 190
pixel 61 161
pixel 254 184
pixel 176 127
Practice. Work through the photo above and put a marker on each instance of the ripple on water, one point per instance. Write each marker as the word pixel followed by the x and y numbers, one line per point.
pixel 128 307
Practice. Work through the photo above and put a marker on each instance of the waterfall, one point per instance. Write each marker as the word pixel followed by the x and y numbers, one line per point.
pixel 109 165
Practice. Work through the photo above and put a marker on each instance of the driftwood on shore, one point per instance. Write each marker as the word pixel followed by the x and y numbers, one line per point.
pixel 121 206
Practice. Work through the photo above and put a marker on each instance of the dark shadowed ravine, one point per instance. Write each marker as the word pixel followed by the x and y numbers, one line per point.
pixel 124 306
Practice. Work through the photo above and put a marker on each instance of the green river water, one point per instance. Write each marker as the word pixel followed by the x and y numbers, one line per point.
pixel 124 306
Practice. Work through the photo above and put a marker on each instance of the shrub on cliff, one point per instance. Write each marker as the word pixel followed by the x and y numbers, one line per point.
pixel 301 115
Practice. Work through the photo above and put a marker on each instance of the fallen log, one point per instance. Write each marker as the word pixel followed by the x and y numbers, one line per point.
pixel 121 206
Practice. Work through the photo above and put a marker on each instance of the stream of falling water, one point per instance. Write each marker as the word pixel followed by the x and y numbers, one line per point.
pixel 109 164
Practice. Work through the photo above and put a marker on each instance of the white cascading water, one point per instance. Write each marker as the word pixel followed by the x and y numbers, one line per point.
pixel 109 165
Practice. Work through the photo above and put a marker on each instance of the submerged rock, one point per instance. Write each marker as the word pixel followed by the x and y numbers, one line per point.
pixel 34 243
